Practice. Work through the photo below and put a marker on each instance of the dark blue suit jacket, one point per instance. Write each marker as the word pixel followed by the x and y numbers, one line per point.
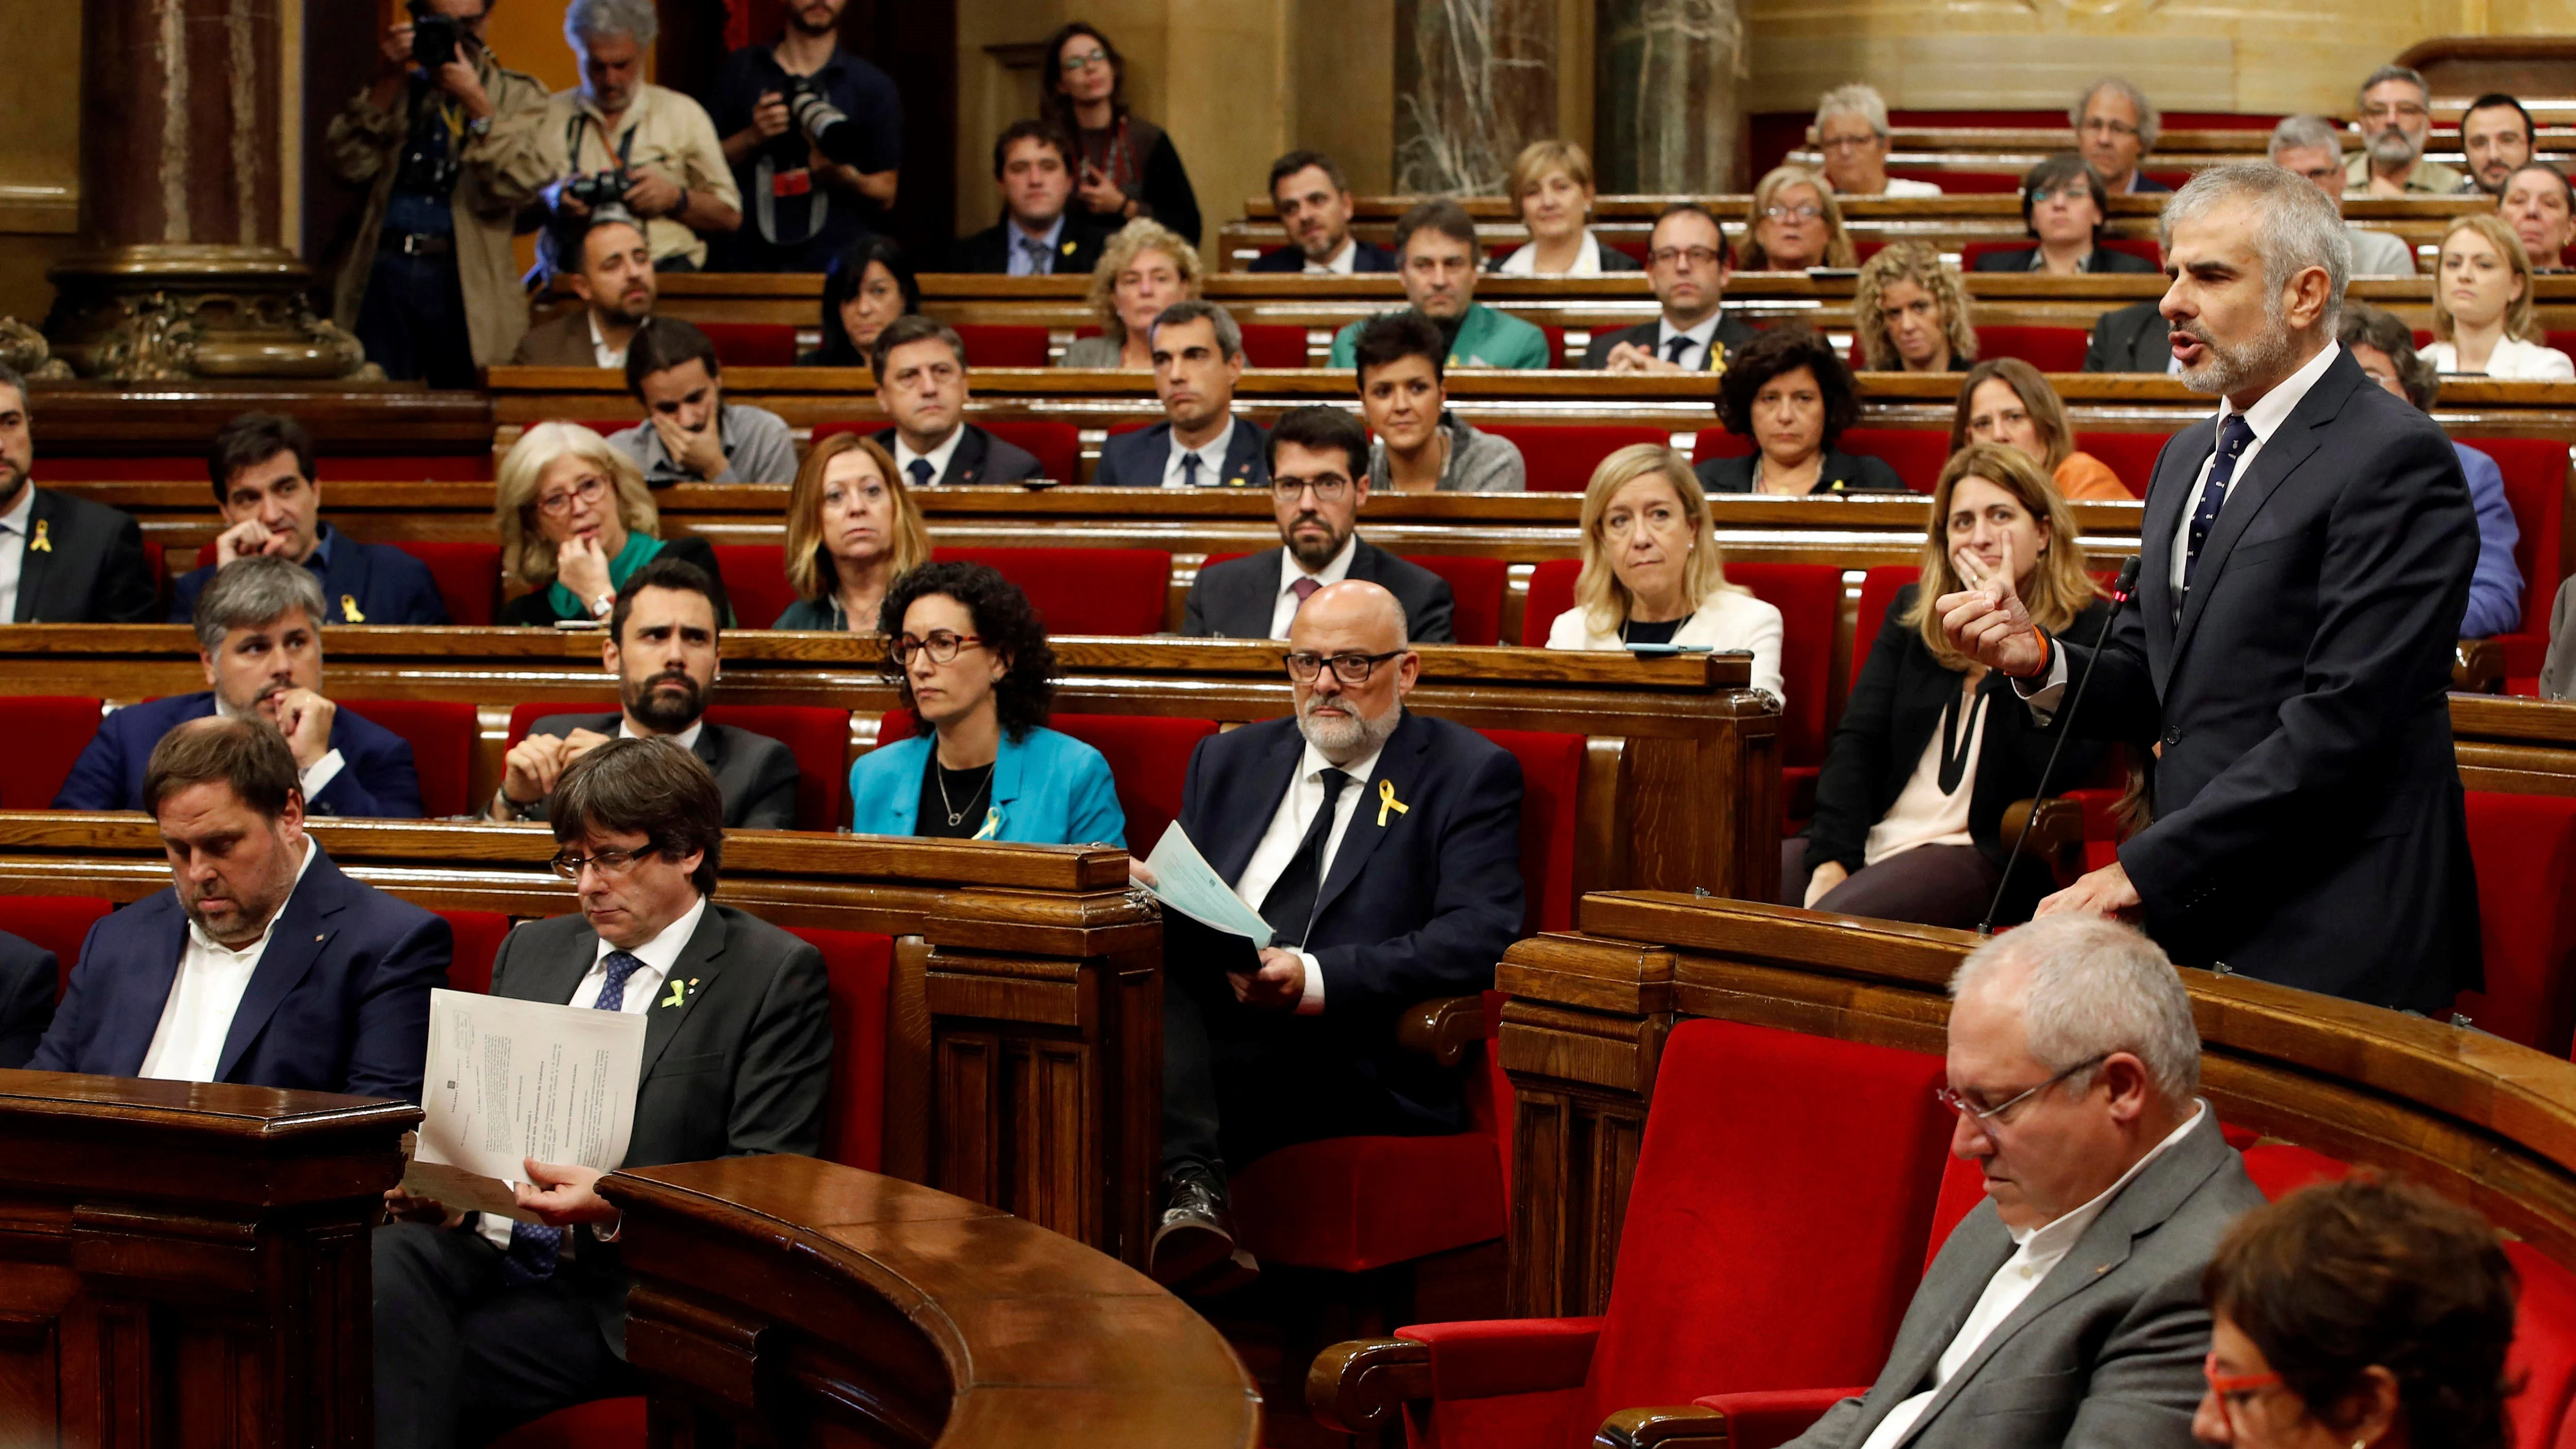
pixel 27 975
pixel 1417 904
pixel 340 1002
pixel 387 585
pixel 377 778
pixel 1137 460
pixel 1291 258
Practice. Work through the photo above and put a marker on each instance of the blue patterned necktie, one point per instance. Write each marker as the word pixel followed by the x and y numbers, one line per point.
pixel 1190 464
pixel 1036 252
pixel 2234 435
pixel 534 1247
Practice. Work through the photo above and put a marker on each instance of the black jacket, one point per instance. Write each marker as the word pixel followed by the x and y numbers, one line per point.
pixel 2135 338
pixel 2309 822
pixel 1235 599
pixel 84 564
pixel 2104 260
pixel 1137 459
pixel 1895 711
pixel 989 251
pixel 755 774
pixel 1843 473
pixel 536 610
pixel 1368 259
pixel 1732 333
pixel 27 975
pixel 980 458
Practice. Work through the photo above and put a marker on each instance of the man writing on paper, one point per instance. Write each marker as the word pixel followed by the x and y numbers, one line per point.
pixel 261 964
pixel 1383 847
pixel 483 1324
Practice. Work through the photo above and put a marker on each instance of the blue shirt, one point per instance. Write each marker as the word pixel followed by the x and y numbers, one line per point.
pixel 1048 789
pixel 1020 241
pixel 2495 588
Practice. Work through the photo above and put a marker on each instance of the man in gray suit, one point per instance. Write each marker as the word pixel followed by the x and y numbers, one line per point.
pixel 2065 1309
pixel 663 646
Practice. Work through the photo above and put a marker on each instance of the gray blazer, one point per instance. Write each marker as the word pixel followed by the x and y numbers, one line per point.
pixel 2558 670
pixel 2104 1354
pixel 756 774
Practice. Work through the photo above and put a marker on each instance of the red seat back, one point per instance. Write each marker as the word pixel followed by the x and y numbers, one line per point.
pixel 1003 344
pixel 2131 455
pixel 1716 442
pixel 1148 755
pixel 755 582
pixel 752 344
pixel 1274 344
pixel 1759 1138
pixel 2543 1357
pixel 2563 339
pixel 1551 592
pixel 50 731
pixel 1551 780
pixel 441 733
pixel 2050 349
pixel 1877 595
pixel 1555 344
pixel 1963 1186
pixel 819 738
pixel 528 712
pixel 860 966
pixel 2535 486
pixel 59 924
pixel 2282 1168
pixel 2525 850
pixel 468 576
pixel 1125 591
pixel 478 940
pixel 1560 457
pixel 1915 453
pixel 1810 600
pixel 1477 585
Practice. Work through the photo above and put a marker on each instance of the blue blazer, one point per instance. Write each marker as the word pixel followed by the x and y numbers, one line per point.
pixel 1137 460
pixel 1048 789
pixel 340 1002
pixel 1418 903
pixel 377 778
pixel 387 585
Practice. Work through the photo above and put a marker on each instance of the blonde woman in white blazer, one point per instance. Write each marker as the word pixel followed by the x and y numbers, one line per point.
pixel 1652 573
pixel 2483 309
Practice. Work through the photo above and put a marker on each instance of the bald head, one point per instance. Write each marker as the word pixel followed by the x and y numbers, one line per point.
pixel 1355 613
pixel 1351 628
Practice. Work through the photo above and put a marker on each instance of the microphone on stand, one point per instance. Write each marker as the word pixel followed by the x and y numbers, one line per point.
pixel 2121 592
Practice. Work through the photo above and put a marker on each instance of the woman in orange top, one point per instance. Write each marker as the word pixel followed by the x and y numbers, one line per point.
pixel 2005 400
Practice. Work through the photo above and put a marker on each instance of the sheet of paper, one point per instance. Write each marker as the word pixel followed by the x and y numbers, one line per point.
pixel 510 1080
pixel 1184 881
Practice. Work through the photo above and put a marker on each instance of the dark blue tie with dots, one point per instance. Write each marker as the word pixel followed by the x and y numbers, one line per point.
pixel 534 1247
pixel 2234 436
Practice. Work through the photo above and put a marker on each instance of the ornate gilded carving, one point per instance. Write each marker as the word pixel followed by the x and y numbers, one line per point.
pixel 165 313
pixel 23 350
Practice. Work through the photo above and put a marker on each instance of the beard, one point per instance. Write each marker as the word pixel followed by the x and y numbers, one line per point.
pixel 2391 147
pixel 2226 369
pixel 1341 738
pixel 1309 553
pixel 667 713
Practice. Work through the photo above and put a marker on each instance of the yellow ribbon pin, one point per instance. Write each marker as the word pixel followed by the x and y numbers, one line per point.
pixel 992 828
pixel 349 609
pixel 1386 801
pixel 679 992
pixel 40 543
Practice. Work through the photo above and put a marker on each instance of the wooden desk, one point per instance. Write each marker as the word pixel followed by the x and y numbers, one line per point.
pixel 790 1302
pixel 188 1262
pixel 2520 746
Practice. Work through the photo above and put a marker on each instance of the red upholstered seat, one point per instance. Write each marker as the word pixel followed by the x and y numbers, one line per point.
pixel 1148 755
pixel 1915 453
pixel 2564 339
pixel 1716 442
pixel 47 733
pixel 156 567
pixel 1551 592
pixel 1477 585
pixel 1758 1137
pixel 1878 589
pixel 755 582
pixel 2543 1358
pixel 2525 850
pixel 468 576
pixel 442 734
pixel 59 924
pixel 752 344
pixel 1560 457
pixel 2131 455
pixel 1001 344
pixel 2535 486
pixel 2282 1168
pixel 528 712
pixel 1551 784
pixel 819 738
pixel 860 964
pixel 478 940
pixel 1555 345
pixel 1124 591
pixel 1810 600
pixel 599 1424
pixel 2050 349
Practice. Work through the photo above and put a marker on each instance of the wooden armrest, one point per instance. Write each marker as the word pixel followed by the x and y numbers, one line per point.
pixel 2477 667
pixel 1355 1386
pixel 1442 1030
pixel 1675 1426
pixel 2058 825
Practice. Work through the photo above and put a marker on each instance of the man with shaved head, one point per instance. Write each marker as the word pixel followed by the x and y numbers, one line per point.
pixel 1383 847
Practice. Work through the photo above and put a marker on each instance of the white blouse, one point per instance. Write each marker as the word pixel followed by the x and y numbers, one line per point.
pixel 2513 360
pixel 1523 262
pixel 1726 621
pixel 1923 813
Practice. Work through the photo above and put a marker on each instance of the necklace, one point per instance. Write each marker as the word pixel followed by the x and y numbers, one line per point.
pixel 957 817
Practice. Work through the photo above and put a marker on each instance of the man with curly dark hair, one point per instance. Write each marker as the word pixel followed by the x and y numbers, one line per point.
pixel 970 657
pixel 1789 392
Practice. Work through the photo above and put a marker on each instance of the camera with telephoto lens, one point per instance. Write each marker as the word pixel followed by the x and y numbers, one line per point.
pixel 599 189
pixel 433 36
pixel 823 123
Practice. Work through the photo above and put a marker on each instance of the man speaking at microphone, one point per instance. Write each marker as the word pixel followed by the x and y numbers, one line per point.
pixel 2307 555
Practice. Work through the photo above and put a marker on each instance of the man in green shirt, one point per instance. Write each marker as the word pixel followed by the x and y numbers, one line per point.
pixel 1437 256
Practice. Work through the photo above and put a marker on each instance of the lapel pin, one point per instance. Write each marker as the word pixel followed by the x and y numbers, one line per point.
pixel 679 993
pixel 317 936
pixel 992 827
pixel 1386 801
pixel 349 609
pixel 1068 248
pixel 40 543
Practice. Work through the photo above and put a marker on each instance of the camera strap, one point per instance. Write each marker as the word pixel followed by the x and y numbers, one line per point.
pixel 765 191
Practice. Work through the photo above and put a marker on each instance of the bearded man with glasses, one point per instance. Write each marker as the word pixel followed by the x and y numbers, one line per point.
pixel 2065 1308
pixel 1383 847
pixel 1319 468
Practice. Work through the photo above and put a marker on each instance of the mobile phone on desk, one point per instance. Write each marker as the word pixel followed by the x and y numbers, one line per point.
pixel 1657 651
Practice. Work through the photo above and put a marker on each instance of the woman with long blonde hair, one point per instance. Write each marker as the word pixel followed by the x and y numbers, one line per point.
pixel 575 520
pixel 1652 573
pixel 2483 313
pixel 1933 747
pixel 852 530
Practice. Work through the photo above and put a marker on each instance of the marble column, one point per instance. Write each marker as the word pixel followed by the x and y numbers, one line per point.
pixel 180 272
pixel 1668 109
pixel 1475 81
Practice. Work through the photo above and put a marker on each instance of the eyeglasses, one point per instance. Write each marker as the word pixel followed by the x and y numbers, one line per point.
pixel 588 490
pixel 1348 668
pixel 1696 256
pixel 1328 488
pixel 941 645
pixel 2105 126
pixel 2235 1391
pixel 1989 1118
pixel 1084 61
pixel 1803 212
pixel 608 862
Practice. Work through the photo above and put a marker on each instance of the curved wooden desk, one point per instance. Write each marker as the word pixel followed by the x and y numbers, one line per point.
pixel 815 1304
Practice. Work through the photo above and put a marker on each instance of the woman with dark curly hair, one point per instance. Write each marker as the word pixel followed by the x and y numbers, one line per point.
pixel 1790 393
pixel 971 658
pixel 2361 1312
pixel 1127 167
pixel 868 286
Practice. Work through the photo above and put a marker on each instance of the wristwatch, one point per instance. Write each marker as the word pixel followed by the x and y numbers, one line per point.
pixel 479 126
pixel 602 606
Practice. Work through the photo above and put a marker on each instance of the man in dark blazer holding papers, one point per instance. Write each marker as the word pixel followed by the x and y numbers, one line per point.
pixel 482 1324
pixel 1383 847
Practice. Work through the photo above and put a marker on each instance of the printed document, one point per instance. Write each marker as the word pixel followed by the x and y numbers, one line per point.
pixel 511 1080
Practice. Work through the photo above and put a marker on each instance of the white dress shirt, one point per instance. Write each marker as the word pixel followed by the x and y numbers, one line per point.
pixel 2513 360
pixel 1211 456
pixel 1694 357
pixel 2042 1249
pixel 1904 186
pixel 188 1045
pixel 13 549
pixel 686 739
pixel 1288 830
pixel 1335 569
pixel 600 351
pixel 1523 262
pixel 1342 264
pixel 937 457
pixel 311 778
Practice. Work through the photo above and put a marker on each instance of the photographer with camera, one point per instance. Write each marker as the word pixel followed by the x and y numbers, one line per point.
pixel 815 135
pixel 619 138
pixel 446 141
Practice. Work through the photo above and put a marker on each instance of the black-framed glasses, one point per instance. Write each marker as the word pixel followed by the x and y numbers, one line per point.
pixel 1696 256
pixel 609 862
pixel 942 645
pixel 1328 487
pixel 1348 668
pixel 1990 1118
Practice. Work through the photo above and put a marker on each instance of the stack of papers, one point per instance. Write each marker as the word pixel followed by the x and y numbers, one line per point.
pixel 510 1080
pixel 1184 881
